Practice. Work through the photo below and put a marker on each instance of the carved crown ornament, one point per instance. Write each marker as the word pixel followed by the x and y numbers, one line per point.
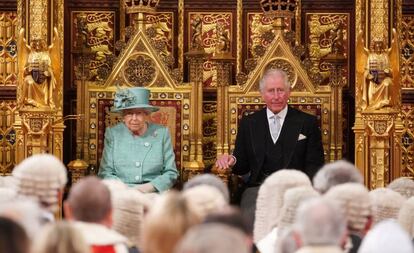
pixel 140 6
pixel 279 8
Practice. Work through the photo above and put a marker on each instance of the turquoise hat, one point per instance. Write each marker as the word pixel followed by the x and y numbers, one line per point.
pixel 131 98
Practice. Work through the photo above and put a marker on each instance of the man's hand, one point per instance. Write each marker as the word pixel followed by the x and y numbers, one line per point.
pixel 225 161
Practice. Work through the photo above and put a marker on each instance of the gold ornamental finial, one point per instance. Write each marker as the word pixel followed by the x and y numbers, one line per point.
pixel 140 6
pixel 279 8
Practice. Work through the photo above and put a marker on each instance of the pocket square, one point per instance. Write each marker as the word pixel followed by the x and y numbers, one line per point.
pixel 301 137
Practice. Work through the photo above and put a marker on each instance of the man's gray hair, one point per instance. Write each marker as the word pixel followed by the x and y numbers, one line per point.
pixel 211 180
pixel 320 222
pixel 213 238
pixel 338 172
pixel 274 73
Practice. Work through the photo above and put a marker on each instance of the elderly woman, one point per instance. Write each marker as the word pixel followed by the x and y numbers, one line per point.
pixel 137 152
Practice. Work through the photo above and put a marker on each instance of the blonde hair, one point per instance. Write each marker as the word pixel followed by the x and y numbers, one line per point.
pixel 166 223
pixel 60 237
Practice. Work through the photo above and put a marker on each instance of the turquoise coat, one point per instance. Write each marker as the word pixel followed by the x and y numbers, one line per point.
pixel 139 159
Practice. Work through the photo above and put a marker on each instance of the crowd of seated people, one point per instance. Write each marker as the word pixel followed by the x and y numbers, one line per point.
pixel 332 212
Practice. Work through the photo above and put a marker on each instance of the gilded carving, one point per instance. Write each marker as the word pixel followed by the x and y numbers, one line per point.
pixel 39 67
pixel 407 140
pixel 93 37
pixel 159 27
pixel 327 33
pixel 8 49
pixel 38 19
pixel 212 34
pixel 140 70
pixel 379 13
pixel 377 75
pixel 407 52
pixel 259 26
pixel 8 136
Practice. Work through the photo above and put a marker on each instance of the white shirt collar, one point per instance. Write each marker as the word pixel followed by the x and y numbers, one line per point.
pixel 281 114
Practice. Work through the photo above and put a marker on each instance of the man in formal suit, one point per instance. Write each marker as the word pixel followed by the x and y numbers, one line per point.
pixel 273 138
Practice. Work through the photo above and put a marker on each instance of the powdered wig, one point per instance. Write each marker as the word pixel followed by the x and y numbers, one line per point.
pixel 204 199
pixel 406 217
pixel 404 186
pixel 354 200
pixel 386 204
pixel 291 201
pixel 129 207
pixel 335 173
pixel 43 177
pixel 209 179
pixel 270 199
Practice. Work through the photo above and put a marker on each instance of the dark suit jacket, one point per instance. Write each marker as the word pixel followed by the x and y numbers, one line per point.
pixel 305 155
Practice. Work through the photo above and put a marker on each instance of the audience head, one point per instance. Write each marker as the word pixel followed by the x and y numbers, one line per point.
pixel 404 186
pixel 209 179
pixel 129 208
pixel 60 237
pixel 320 222
pixel 270 199
pixel 26 212
pixel 204 199
pixel 89 200
pixel 386 237
pixel 230 216
pixel 291 201
pixel 386 204
pixel 13 238
pixel 166 222
pixel 406 217
pixel 335 173
pixel 213 238
pixel 42 177
pixel 354 201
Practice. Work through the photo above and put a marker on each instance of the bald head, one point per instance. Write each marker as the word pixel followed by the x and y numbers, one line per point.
pixel 89 200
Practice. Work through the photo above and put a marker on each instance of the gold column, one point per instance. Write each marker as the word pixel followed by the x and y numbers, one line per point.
pixel 39 126
pixel 336 81
pixel 195 165
pixel 378 127
pixel 223 67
